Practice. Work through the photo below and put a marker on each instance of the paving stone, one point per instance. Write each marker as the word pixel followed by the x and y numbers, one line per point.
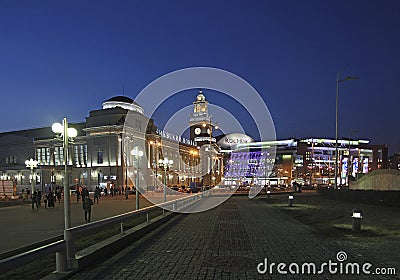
pixel 226 242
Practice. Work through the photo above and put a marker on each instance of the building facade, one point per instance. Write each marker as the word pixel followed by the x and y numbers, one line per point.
pixel 102 153
pixel 307 161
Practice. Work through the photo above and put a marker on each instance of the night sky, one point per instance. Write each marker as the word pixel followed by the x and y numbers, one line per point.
pixel 64 58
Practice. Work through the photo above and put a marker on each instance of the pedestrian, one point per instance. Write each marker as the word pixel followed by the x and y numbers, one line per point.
pixel 44 197
pixel 51 199
pixel 58 195
pixel 112 191
pixel 34 200
pixel 87 207
pixel 24 196
pixel 126 192
pixel 38 198
pixel 84 193
pixel 78 194
pixel 96 194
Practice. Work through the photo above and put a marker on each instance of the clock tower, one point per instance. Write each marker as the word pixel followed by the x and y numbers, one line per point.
pixel 200 121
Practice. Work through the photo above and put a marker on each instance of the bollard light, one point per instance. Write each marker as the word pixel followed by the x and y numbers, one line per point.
pixel 356 220
pixel 357 215
pixel 290 202
pixel 268 193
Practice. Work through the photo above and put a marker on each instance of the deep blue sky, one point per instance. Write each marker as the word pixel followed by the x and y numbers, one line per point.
pixel 63 58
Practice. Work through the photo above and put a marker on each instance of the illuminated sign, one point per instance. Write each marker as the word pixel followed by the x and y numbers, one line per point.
pixel 176 138
pixel 365 166
pixel 344 167
pixel 355 167
pixel 230 140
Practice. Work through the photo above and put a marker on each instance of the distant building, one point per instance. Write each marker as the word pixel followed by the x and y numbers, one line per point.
pixel 307 161
pixel 101 152
pixel 394 161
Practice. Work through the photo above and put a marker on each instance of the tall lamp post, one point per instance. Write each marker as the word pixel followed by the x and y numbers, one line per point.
pixel 121 141
pixel 338 80
pixel 31 163
pixel 137 155
pixel 210 131
pixel 194 154
pixel 166 163
pixel 155 158
pixel 66 134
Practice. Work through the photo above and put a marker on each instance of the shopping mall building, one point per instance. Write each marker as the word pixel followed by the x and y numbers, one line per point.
pixel 307 161
pixel 101 154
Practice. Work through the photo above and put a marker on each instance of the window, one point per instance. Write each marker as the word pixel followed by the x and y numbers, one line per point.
pixel 76 154
pixel 11 160
pixel 99 157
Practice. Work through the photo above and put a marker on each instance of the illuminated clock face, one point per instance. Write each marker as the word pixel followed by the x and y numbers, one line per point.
pixel 197 130
pixel 208 131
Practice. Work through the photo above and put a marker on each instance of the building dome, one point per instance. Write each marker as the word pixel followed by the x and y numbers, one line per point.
pixel 123 102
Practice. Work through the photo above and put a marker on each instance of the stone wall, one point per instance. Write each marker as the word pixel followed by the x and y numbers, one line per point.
pixel 378 180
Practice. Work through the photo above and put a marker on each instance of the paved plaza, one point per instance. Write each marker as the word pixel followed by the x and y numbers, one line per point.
pixel 227 242
pixel 22 226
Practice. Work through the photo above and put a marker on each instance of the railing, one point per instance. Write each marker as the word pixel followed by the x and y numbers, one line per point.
pixel 65 249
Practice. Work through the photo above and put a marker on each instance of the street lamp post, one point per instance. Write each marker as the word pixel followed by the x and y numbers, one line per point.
pixel 121 141
pixel 31 163
pixel 194 153
pixel 338 80
pixel 137 154
pixel 66 134
pixel 155 159
pixel 166 163
pixel 211 150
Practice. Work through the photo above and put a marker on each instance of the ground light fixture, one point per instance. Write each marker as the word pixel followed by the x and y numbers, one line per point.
pixel 356 220
pixel 290 201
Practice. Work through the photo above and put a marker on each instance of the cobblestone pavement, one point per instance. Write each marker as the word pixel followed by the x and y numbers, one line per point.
pixel 227 242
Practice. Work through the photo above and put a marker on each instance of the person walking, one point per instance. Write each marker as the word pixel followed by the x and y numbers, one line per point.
pixel 126 192
pixel 51 199
pixel 44 197
pixel 24 196
pixel 34 200
pixel 96 194
pixel 84 193
pixel 39 198
pixel 58 194
pixel 87 207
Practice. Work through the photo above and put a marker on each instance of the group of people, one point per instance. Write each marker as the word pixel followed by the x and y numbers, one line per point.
pixel 49 198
